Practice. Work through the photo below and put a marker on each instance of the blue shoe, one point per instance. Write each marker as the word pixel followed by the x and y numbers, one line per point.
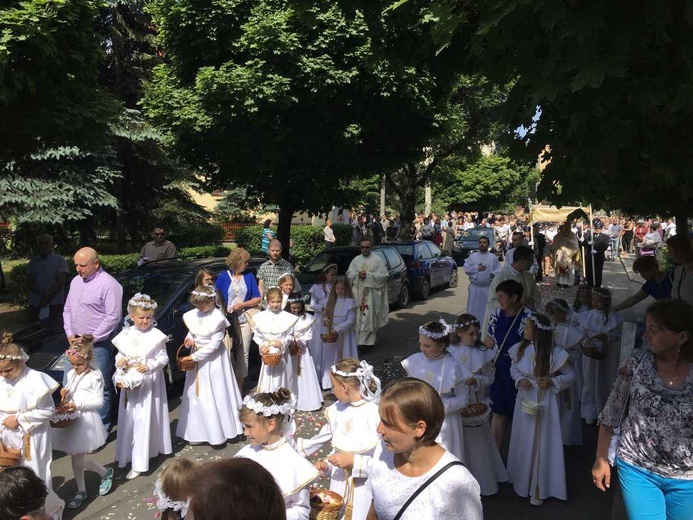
pixel 76 501
pixel 106 482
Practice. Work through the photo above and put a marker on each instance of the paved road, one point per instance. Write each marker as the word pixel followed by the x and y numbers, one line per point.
pixel 133 499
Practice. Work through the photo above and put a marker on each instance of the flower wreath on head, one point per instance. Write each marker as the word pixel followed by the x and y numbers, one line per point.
pixel 296 299
pixel 286 409
pixel 163 502
pixel 437 336
pixel 365 375
pixel 204 294
pixel 22 356
pixel 551 327
pixel 142 301
pixel 465 324
pixel 72 351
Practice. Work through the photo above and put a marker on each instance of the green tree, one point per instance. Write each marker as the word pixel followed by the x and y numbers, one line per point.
pixel 490 183
pixel 613 86
pixel 291 101
pixel 55 165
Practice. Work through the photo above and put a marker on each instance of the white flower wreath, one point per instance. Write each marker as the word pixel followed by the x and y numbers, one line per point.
pixel 274 409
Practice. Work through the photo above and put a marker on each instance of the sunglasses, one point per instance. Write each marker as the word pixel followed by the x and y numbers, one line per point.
pixel 159 234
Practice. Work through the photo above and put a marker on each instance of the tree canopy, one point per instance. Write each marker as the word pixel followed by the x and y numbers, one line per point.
pixel 288 100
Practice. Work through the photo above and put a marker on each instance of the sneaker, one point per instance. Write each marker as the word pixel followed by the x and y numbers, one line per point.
pixel 536 501
pixel 590 422
pixel 76 501
pixel 132 475
pixel 106 482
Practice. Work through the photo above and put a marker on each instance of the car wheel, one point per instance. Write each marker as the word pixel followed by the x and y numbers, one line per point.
pixel 453 279
pixel 403 298
pixel 425 290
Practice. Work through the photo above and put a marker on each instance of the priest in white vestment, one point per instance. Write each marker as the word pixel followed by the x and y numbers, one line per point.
pixel 479 267
pixel 367 274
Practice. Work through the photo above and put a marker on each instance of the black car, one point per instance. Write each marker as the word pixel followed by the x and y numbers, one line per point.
pixel 169 282
pixel 397 283
pixel 468 241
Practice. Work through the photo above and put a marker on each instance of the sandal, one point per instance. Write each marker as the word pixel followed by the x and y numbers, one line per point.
pixel 106 482
pixel 76 501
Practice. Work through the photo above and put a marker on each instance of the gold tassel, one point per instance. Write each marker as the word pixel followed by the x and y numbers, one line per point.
pixel 27 447
pixel 197 382
pixel 349 495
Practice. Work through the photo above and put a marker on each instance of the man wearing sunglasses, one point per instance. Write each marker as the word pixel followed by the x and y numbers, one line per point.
pixel 157 249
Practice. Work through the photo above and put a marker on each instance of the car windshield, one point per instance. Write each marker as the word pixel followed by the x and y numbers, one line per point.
pixel 341 258
pixel 474 234
pixel 160 285
pixel 404 249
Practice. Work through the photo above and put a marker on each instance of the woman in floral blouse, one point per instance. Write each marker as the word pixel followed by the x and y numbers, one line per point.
pixel 655 452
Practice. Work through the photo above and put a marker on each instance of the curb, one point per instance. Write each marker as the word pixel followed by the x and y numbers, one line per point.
pixel 627 268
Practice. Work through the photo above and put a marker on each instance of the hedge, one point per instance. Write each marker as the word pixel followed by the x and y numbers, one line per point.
pixel 308 240
pixel 113 264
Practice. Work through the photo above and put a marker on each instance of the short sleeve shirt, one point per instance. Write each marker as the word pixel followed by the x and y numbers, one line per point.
pixel 43 270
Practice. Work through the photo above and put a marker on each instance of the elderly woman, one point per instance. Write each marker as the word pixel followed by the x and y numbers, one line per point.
pixel 566 251
pixel 682 254
pixel 652 404
pixel 239 292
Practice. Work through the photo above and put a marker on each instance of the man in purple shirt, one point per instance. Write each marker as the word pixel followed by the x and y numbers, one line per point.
pixel 94 306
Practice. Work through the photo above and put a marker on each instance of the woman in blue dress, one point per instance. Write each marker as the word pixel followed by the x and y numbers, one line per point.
pixel 505 327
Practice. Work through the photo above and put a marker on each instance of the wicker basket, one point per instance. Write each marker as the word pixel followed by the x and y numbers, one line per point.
pixel 475 415
pixel 325 504
pixel 9 457
pixel 63 418
pixel 272 360
pixel 188 364
pixel 596 347
pixel 329 337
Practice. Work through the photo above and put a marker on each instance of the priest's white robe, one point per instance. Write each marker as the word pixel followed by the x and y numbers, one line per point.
pixel 370 295
pixel 479 281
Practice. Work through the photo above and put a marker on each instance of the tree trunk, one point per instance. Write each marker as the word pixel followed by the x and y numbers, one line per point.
pixel 286 213
pixel 681 217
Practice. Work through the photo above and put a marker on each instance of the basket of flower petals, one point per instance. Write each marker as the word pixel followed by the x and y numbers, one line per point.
pixel 63 416
pixel 475 414
pixel 325 504
pixel 272 356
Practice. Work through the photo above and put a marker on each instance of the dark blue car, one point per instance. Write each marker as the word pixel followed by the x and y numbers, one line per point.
pixel 427 267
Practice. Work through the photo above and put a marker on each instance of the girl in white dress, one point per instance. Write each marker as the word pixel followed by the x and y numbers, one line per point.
pixel 286 283
pixel 83 395
pixel 540 371
pixel 309 395
pixel 602 329
pixel 568 336
pixel 340 316
pixel 481 453
pixel 318 300
pixel 211 399
pixel 265 417
pixel 435 365
pixel 272 333
pixel 144 430
pixel 26 407
pixel 172 489
pixel 351 427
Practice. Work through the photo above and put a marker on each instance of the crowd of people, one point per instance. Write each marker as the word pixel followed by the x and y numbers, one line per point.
pixel 511 366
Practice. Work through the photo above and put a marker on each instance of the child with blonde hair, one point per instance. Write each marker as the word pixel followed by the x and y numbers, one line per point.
pixel 83 397
pixel 265 418
pixel 272 334
pixel 340 317
pixel 211 398
pixel 286 284
pixel 26 407
pixel 435 365
pixel 143 423
pixel 172 489
pixel 481 453
pixel 351 428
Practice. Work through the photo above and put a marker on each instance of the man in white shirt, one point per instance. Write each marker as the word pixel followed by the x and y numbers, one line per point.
pixel 328 234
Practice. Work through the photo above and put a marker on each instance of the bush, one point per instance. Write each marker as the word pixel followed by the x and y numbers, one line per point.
pixel 250 238
pixel 342 232
pixel 196 235
pixel 192 253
